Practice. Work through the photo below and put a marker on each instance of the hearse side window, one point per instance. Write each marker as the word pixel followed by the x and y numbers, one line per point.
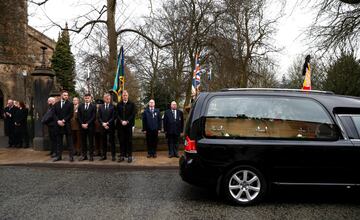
pixel 351 129
pixel 268 117
pixel 356 119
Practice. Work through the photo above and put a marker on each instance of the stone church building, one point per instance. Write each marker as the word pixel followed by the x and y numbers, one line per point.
pixel 20 51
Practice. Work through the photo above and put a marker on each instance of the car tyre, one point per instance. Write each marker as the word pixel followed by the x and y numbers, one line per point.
pixel 244 185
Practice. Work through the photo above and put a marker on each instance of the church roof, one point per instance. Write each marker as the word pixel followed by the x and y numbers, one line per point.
pixel 42 38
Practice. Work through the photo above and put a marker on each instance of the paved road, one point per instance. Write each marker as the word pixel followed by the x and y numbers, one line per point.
pixel 56 193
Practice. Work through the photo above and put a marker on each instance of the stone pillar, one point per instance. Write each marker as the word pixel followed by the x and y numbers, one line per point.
pixel 43 82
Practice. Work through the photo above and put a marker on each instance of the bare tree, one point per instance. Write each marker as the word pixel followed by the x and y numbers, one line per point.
pixel 86 23
pixel 264 75
pixel 249 32
pixel 172 24
pixel 93 68
pixel 185 23
pixel 337 25
pixel 148 60
pixel 200 16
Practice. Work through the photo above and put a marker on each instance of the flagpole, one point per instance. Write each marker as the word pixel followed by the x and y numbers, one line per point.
pixel 88 80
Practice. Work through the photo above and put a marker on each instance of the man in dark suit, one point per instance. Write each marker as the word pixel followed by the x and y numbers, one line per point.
pixel 9 113
pixel 126 112
pixel 173 127
pixel 151 127
pixel 20 120
pixel 107 121
pixel 63 113
pixel 48 119
pixel 86 118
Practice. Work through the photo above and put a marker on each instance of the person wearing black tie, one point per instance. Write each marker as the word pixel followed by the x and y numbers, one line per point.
pixel 20 122
pixel 63 113
pixel 151 127
pixel 173 127
pixel 126 112
pixel 9 113
pixel 107 121
pixel 86 118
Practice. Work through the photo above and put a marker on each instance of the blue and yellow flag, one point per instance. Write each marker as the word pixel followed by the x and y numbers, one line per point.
pixel 119 82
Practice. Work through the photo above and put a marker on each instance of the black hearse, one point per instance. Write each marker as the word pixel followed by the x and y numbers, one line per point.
pixel 244 140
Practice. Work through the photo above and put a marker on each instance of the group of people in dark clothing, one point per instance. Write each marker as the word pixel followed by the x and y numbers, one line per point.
pixel 105 118
pixel 173 126
pixel 15 124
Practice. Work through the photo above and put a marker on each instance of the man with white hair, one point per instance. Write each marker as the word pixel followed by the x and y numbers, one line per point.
pixel 9 113
pixel 49 120
pixel 173 127
pixel 151 127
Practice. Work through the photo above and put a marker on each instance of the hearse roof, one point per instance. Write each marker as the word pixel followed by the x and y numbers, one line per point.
pixel 334 103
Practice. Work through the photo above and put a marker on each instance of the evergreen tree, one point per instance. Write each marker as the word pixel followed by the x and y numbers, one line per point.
pixel 343 76
pixel 63 63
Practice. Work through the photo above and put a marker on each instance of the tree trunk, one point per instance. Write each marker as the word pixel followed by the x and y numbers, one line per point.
pixel 112 38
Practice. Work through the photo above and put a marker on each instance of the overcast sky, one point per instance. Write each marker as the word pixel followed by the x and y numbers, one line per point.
pixel 290 34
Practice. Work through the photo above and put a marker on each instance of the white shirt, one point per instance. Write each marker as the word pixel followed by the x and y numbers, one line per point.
pixel 174 113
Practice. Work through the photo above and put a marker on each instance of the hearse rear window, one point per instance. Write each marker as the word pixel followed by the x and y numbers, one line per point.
pixel 351 124
pixel 268 117
pixel 356 119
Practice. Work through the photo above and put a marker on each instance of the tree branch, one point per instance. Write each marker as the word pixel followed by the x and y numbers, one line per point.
pixel 38 3
pixel 101 12
pixel 79 29
pixel 144 36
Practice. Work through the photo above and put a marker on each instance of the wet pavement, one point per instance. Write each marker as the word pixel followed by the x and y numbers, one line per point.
pixel 90 193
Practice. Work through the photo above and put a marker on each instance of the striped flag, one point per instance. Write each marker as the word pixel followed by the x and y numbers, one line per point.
pixel 119 81
pixel 307 73
pixel 195 88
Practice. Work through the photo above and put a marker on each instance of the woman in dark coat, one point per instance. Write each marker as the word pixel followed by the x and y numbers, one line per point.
pixel 20 122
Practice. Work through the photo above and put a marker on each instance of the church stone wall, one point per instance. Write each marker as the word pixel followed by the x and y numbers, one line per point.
pixel 19 50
